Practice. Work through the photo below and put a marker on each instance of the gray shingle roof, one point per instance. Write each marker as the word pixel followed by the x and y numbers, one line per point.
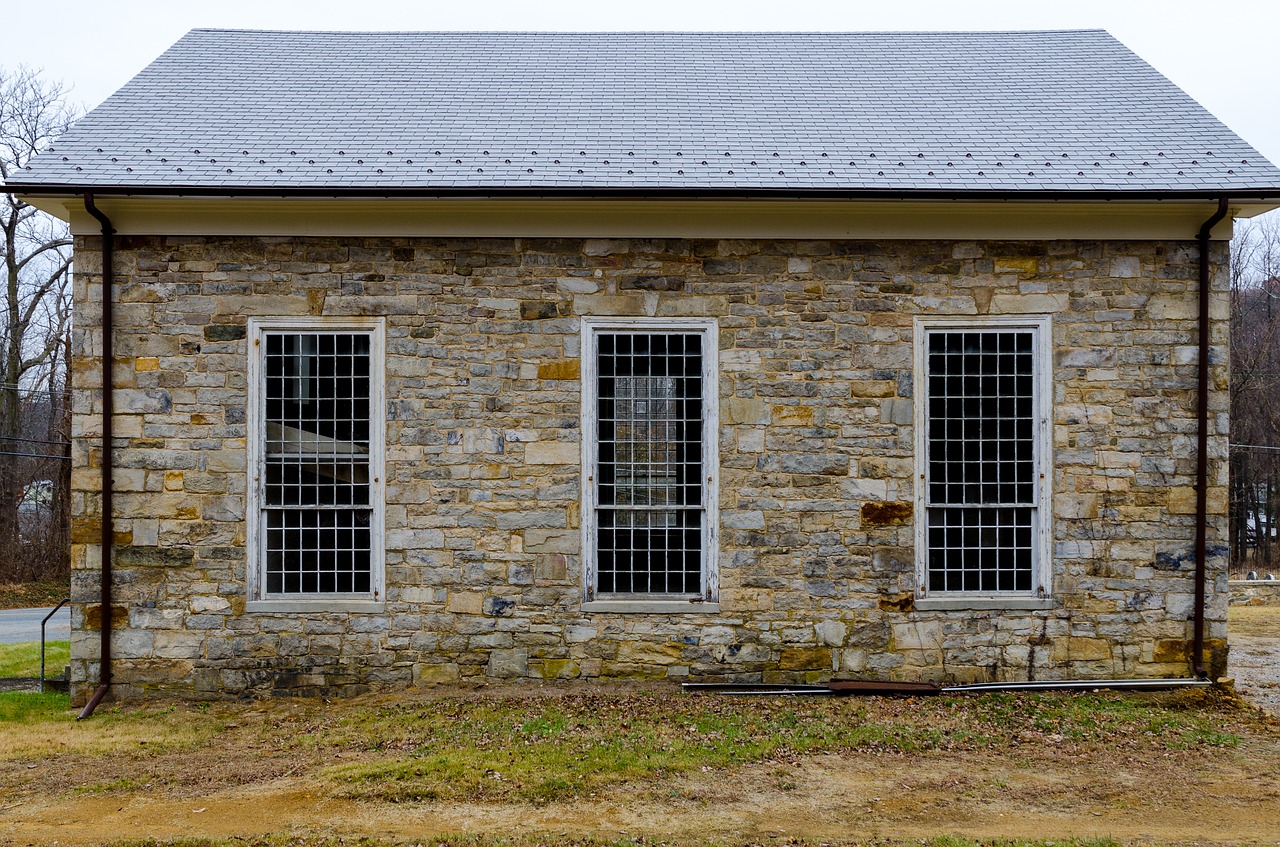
pixel 1025 111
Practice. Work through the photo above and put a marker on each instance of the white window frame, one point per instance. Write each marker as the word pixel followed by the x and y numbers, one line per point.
pixel 256 423
pixel 1040 595
pixel 707 600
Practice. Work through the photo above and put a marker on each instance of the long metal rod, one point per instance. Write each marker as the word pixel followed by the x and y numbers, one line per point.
pixel 64 601
pixel 108 457
pixel 1202 444
pixel 1160 684
pixel 877 688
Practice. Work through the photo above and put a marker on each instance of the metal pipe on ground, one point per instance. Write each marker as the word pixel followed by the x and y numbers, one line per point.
pixel 924 689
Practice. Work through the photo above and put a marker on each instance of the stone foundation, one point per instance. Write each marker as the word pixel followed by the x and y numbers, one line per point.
pixel 483 573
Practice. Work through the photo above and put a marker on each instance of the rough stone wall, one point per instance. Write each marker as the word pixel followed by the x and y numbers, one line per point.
pixel 482 503
pixel 1255 592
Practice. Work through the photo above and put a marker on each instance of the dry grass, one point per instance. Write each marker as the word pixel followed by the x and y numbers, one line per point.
pixel 1254 621
pixel 44 725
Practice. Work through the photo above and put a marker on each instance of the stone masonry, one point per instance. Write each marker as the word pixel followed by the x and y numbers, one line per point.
pixel 483 573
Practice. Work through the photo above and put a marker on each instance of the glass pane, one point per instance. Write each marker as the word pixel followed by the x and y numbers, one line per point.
pixel 984 549
pixel 981 424
pixel 310 552
pixel 649 402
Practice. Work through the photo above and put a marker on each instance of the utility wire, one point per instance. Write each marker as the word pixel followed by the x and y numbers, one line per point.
pixel 1252 447
pixel 32 440
pixel 36 455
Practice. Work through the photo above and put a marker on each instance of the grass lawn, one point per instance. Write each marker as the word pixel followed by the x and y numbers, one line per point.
pixel 23 659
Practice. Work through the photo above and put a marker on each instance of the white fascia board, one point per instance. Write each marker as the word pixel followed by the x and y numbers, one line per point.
pixel 641 218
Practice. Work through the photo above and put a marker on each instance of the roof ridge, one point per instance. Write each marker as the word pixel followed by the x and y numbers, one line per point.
pixel 1071 31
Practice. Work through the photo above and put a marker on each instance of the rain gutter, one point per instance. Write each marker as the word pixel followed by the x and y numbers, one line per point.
pixel 1202 445
pixel 108 527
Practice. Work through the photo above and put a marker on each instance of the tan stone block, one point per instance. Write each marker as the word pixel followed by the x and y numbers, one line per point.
pixel 1076 506
pixel 608 305
pixel 554 669
pixel 552 567
pixel 873 388
pixel 745 410
pixel 896 513
pixel 551 541
pixel 552 453
pixel 745 600
pixel 490 470
pixel 1025 304
pixel 465 602
pixel 916 635
pixel 432 674
pixel 562 369
pixel 792 416
pixel 1023 267
pixel 806 659
pixel 146 363
pixel 226 461
pixel 646 653
pixel 1171 650
pixel 679 306
pixel 1172 307
pixel 1078 649
pixel 1182 500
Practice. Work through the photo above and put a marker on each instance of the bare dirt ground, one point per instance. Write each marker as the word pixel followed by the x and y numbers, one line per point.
pixel 1255 654
pixel 1227 800
pixel 1037 786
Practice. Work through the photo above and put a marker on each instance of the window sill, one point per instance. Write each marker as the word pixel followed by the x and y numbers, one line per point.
pixel 961 603
pixel 652 607
pixel 314 605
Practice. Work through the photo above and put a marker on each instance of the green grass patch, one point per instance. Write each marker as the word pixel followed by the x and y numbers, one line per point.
pixel 22 707
pixel 546 749
pixel 23 659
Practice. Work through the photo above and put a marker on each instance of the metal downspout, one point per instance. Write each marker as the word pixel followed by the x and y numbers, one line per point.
pixel 108 527
pixel 1202 444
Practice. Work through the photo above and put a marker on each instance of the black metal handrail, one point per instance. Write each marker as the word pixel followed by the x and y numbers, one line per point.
pixel 64 601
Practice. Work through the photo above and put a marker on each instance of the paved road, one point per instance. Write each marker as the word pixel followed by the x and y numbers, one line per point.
pixel 24 625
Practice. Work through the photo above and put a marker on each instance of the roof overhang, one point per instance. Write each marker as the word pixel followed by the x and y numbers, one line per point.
pixel 622 213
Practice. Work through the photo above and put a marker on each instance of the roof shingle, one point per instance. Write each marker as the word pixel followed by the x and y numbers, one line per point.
pixel 1025 111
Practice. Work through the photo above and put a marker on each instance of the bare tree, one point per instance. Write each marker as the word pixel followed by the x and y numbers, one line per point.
pixel 35 308
pixel 1255 394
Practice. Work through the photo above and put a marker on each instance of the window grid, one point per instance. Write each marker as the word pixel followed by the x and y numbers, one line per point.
pixel 650 500
pixel 981 491
pixel 316 484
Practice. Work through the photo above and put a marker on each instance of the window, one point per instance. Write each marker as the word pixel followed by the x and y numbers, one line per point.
pixel 981 452
pixel 649 456
pixel 316 470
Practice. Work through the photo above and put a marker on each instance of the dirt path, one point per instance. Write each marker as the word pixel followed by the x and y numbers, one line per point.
pixel 1223 800
pixel 1255 655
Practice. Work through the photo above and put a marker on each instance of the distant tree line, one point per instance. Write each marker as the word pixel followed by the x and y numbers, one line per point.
pixel 1255 396
pixel 35 345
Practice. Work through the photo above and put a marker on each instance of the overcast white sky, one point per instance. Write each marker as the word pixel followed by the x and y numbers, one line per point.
pixel 1223 53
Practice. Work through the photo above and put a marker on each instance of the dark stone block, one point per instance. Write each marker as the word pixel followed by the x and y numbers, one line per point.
pixel 225 332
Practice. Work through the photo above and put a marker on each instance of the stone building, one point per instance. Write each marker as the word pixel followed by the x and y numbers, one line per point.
pixel 781 357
